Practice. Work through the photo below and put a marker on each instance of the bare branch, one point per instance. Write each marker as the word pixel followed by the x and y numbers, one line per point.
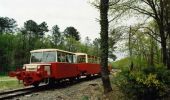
pixel 140 10
pixel 117 16
pixel 152 33
pixel 152 5
pixel 114 3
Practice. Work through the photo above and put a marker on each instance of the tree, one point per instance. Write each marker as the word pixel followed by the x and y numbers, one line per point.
pixel 96 45
pixel 70 44
pixel 57 37
pixel 32 29
pixel 115 35
pixel 7 25
pixel 33 32
pixel 87 43
pixel 142 48
pixel 42 28
pixel 157 10
pixel 72 32
pixel 104 6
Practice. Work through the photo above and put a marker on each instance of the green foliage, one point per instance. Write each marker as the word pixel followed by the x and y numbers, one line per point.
pixel 121 64
pixel 6 50
pixel 32 29
pixel 139 62
pixel 72 32
pixel 42 28
pixel 7 25
pixel 57 37
pixel 150 83
pixel 85 97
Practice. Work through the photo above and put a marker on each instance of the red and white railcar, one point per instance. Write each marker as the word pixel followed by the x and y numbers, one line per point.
pixel 88 65
pixel 55 65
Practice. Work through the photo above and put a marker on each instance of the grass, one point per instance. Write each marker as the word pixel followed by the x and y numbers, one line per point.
pixel 9 83
pixel 7 78
pixel 121 64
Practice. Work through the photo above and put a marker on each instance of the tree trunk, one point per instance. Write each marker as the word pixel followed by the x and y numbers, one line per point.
pixel 151 63
pixel 168 61
pixel 130 50
pixel 104 5
pixel 163 42
pixel 163 45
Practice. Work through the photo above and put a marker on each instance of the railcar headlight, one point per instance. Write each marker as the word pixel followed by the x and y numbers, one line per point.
pixel 38 67
pixel 24 67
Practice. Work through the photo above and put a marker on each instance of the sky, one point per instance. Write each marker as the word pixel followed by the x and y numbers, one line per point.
pixel 64 13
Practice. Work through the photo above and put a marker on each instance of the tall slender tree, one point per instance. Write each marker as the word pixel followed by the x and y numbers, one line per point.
pixel 57 38
pixel 104 6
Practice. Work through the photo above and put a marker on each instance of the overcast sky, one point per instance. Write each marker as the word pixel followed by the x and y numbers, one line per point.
pixel 77 13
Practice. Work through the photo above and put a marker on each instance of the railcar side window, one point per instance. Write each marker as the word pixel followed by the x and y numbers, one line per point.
pixel 81 59
pixel 98 60
pixel 69 58
pixel 74 59
pixel 61 57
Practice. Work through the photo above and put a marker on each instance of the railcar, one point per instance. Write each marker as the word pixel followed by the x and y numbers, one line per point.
pixel 88 65
pixel 54 65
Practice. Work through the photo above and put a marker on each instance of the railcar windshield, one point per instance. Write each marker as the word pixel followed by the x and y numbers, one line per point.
pixel 43 57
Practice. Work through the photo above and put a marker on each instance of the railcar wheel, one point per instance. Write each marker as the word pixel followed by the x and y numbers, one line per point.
pixel 99 75
pixel 51 82
pixel 78 78
pixel 72 80
pixel 36 84
pixel 88 76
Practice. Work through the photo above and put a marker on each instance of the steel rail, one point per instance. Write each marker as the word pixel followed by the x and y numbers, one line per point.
pixel 20 92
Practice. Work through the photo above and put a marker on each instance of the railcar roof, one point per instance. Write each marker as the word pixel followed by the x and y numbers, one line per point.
pixel 80 53
pixel 45 50
pixel 85 54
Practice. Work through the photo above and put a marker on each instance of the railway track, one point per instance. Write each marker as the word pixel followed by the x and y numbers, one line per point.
pixel 21 92
pixel 15 93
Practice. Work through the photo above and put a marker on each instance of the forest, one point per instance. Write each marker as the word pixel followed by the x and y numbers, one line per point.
pixel 145 71
pixel 16 43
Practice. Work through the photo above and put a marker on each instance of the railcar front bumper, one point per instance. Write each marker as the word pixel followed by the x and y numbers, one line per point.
pixel 28 77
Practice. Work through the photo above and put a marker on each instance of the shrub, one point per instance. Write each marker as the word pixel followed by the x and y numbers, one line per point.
pixel 148 84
